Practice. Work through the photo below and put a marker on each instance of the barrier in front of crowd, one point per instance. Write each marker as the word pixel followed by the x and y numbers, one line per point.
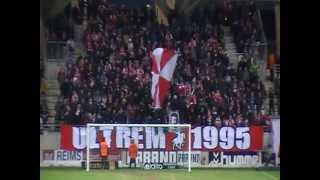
pixel 211 147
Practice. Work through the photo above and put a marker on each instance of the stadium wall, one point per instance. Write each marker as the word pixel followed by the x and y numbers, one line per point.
pixel 49 141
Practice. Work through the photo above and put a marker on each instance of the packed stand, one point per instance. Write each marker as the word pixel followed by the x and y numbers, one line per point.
pixel 109 85
pixel 207 89
pixel 112 83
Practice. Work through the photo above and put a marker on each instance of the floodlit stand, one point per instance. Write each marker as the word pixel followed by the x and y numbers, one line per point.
pixel 89 125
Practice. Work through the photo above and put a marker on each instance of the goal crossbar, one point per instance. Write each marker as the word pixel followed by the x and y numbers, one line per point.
pixel 136 125
pixel 140 125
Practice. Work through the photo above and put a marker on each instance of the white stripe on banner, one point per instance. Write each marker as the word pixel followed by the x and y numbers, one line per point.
pixel 276 136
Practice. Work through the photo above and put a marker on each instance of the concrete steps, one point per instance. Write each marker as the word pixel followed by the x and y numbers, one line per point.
pixel 53 88
pixel 230 47
pixel 52 70
pixel 52 101
pixel 231 51
pixel 79 33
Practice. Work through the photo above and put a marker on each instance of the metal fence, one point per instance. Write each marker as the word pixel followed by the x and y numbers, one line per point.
pixel 56 50
pixel 49 127
pixel 276 71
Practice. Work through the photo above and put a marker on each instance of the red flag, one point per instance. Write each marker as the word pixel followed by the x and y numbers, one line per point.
pixel 169 137
pixel 163 64
pixel 66 137
pixel 256 133
pixel 113 146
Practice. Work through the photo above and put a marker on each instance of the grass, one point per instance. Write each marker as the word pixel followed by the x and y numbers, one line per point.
pixel 169 174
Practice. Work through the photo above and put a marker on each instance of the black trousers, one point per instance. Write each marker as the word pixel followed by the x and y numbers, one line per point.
pixel 269 157
pixel 132 161
pixel 104 162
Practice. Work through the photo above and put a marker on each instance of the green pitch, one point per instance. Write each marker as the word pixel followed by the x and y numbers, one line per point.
pixel 171 174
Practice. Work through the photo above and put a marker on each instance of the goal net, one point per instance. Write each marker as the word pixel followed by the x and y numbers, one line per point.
pixel 160 146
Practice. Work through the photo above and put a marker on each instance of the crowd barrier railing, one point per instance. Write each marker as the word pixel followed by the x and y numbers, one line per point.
pixel 56 50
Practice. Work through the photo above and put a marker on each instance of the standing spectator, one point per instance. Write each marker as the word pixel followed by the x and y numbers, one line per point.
pixel 43 87
pixel 66 88
pixel 61 75
pixel 271 101
pixel 44 113
pixel 252 7
pixel 270 64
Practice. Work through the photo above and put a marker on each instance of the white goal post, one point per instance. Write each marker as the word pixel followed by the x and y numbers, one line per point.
pixel 90 125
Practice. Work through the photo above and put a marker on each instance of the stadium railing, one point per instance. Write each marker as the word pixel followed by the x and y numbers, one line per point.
pixel 276 71
pixel 49 127
pixel 55 50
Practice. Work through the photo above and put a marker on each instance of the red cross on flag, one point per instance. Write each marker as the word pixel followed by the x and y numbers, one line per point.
pixel 163 64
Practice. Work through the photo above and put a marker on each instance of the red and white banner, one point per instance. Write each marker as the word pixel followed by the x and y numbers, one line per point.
pixel 203 138
pixel 163 64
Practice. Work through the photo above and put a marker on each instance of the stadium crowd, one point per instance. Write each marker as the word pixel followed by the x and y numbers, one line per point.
pixel 111 84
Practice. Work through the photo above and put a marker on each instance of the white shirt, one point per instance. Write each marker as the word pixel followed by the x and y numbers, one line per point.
pixel 70 43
